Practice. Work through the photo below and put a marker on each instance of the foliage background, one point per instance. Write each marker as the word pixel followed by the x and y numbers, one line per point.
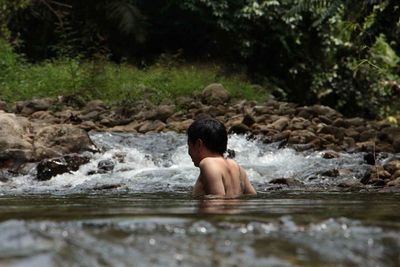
pixel 341 53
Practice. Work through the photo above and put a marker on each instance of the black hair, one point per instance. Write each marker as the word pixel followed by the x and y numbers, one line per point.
pixel 211 131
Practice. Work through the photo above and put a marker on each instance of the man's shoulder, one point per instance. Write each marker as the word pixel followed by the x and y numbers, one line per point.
pixel 211 160
pixel 212 163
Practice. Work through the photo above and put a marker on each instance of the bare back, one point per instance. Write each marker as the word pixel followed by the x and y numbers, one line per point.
pixel 220 176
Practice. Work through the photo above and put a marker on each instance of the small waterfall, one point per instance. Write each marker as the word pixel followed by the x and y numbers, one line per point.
pixel 158 162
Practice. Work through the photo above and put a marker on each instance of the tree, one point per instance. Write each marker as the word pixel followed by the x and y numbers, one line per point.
pixel 71 27
pixel 7 8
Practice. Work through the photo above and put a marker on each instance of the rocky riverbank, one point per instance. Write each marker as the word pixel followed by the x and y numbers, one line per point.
pixel 42 129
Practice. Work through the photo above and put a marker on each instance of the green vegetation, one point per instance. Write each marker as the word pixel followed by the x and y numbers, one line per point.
pixel 340 53
pixel 111 82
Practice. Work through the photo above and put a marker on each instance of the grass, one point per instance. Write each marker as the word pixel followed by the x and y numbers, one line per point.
pixel 110 82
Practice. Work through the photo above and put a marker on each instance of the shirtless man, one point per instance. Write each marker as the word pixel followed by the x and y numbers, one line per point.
pixel 207 141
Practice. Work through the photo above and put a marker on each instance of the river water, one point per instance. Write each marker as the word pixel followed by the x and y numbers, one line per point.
pixel 141 213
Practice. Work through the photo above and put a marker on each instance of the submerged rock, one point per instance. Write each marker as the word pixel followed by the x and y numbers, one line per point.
pixel 330 155
pixel 291 182
pixel 106 165
pixel 49 168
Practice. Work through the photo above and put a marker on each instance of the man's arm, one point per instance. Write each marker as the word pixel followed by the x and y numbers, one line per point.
pixel 198 189
pixel 211 178
pixel 248 187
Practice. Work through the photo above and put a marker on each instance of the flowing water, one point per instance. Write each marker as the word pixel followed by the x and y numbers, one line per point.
pixel 141 213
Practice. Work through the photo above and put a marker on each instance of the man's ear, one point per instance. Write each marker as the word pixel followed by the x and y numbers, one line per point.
pixel 199 143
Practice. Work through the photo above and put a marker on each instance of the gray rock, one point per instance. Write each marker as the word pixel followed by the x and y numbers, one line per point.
pixel 57 140
pixel 106 165
pixel 215 94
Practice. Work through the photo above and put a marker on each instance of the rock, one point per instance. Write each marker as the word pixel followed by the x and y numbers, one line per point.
pixel 351 132
pixel 214 111
pixel 48 168
pixel 4 176
pixel 280 124
pixel 92 115
pixel 57 140
pixel 107 186
pixel 330 173
pixel 248 120
pixel 395 175
pixel 161 113
pixel 368 135
pixel 286 109
pixel 298 123
pixel 370 158
pixel 262 110
pixel 66 114
pixel 131 127
pixel 390 134
pixel 301 137
pixel 44 115
pixel 335 131
pixel 185 102
pixel 3 105
pixel 341 122
pixel 355 122
pixel 95 105
pixel 322 119
pixel 152 126
pixel 368 146
pixel 291 182
pixel 385 147
pixel 180 126
pixel 395 182
pixel 280 136
pixel 375 176
pixel 351 185
pixel 28 107
pixel 239 129
pixel 74 100
pixel 321 110
pixel 330 155
pixel 106 165
pixel 396 144
pixel 15 138
pixel 392 166
pixel 349 144
pixel 215 94
pixel 305 113
pixel 233 120
pixel 88 126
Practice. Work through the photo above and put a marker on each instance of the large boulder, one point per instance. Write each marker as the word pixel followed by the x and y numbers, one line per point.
pixel 57 140
pixel 215 94
pixel 15 138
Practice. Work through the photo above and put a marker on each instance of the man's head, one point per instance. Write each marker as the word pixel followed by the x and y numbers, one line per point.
pixel 209 132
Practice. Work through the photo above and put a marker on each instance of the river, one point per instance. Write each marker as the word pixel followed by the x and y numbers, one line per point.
pixel 141 213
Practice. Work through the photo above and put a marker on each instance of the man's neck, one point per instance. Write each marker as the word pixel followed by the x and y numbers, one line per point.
pixel 211 154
